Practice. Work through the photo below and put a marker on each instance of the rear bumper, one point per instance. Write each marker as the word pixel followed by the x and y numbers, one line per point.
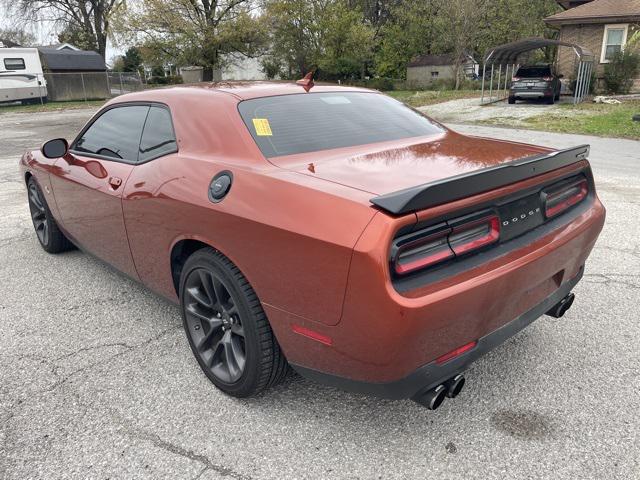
pixel 433 374
pixel 530 93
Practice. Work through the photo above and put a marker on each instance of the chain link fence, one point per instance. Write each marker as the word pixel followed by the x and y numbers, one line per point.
pixel 64 87
pixel 86 86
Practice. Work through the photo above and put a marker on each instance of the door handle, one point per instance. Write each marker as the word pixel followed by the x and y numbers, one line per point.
pixel 115 182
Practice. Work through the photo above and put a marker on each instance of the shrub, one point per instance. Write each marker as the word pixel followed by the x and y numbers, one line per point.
pixel 168 80
pixel 621 71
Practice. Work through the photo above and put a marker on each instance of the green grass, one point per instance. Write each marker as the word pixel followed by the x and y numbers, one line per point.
pixel 420 98
pixel 591 119
pixel 51 106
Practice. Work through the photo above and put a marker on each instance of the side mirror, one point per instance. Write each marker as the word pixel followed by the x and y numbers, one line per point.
pixel 55 148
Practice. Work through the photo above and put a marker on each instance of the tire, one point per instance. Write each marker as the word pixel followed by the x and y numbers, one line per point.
pixel 512 100
pixel 549 100
pixel 49 235
pixel 227 329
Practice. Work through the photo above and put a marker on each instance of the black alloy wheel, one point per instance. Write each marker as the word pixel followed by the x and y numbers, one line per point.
pixel 38 213
pixel 49 235
pixel 214 323
pixel 227 329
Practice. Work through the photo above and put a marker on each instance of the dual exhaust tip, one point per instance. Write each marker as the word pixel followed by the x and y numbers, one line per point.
pixel 433 398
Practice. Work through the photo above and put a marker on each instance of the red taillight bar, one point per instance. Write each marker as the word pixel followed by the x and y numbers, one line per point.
pixel 475 235
pixel 560 200
pixel 467 234
pixel 434 247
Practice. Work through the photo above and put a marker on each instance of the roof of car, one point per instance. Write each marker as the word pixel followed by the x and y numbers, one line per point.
pixel 244 90
pixel 256 89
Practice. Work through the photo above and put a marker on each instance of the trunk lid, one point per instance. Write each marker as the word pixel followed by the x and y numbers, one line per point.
pixel 391 166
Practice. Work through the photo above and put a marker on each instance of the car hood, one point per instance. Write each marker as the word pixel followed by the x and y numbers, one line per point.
pixel 391 166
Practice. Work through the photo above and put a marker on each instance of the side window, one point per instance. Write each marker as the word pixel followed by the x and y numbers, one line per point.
pixel 14 64
pixel 158 137
pixel 116 133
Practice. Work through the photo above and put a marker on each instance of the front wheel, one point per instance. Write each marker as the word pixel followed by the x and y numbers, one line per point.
pixel 226 326
pixel 49 235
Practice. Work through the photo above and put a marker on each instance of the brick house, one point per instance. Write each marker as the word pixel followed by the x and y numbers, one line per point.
pixel 602 26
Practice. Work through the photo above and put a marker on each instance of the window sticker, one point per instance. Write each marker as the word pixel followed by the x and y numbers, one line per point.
pixel 263 129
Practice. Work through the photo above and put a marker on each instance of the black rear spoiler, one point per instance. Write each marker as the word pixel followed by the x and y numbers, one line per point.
pixel 478 181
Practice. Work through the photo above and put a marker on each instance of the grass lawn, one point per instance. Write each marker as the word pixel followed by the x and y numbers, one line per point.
pixel 591 119
pixel 50 106
pixel 421 98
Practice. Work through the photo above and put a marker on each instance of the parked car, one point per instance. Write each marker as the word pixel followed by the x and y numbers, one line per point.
pixel 535 82
pixel 21 77
pixel 332 229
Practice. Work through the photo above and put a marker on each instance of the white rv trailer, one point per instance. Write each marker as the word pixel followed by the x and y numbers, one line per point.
pixel 21 77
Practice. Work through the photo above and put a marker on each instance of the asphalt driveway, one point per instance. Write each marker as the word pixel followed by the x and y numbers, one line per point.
pixel 97 379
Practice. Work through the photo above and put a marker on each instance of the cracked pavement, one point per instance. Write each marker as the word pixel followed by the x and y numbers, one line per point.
pixel 97 379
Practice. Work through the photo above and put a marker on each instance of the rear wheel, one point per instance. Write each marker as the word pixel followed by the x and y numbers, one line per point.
pixel 49 235
pixel 549 100
pixel 226 326
pixel 512 100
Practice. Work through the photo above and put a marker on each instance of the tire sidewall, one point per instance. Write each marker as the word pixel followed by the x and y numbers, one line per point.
pixel 250 376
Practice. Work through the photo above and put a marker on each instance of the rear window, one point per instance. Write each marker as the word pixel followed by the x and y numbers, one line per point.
pixel 290 124
pixel 533 72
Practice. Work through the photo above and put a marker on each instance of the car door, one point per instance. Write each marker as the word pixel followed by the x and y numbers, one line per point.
pixel 89 180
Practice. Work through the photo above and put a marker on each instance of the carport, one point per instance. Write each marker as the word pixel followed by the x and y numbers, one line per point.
pixel 504 60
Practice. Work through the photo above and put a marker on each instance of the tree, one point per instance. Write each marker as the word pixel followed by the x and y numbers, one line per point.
pixel 294 34
pixel 410 31
pixel 86 22
pixel 17 36
pixel 132 60
pixel 78 37
pixel 347 42
pixel 198 32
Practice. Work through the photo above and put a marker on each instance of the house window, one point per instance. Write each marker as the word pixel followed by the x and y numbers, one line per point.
pixel 14 64
pixel 615 37
pixel 435 74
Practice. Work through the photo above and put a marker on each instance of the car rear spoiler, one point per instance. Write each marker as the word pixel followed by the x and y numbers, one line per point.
pixel 478 181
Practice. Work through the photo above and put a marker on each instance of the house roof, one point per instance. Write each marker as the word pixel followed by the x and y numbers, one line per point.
pixel 424 60
pixel 72 60
pixel 598 11
pixel 61 46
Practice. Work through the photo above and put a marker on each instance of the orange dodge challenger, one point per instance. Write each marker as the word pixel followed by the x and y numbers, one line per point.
pixel 330 229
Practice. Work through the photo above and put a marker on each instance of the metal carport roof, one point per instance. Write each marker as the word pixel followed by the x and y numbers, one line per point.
pixel 509 52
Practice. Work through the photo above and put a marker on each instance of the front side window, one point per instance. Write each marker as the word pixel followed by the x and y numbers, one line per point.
pixel 115 134
pixel 615 37
pixel 310 122
pixel 158 138
pixel 14 64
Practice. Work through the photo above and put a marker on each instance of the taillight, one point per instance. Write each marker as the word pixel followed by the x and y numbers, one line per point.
pixel 515 79
pixel 547 79
pixel 559 198
pixel 445 241
pixel 424 249
pixel 468 235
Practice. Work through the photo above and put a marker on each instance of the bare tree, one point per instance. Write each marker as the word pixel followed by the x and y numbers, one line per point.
pixel 91 17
